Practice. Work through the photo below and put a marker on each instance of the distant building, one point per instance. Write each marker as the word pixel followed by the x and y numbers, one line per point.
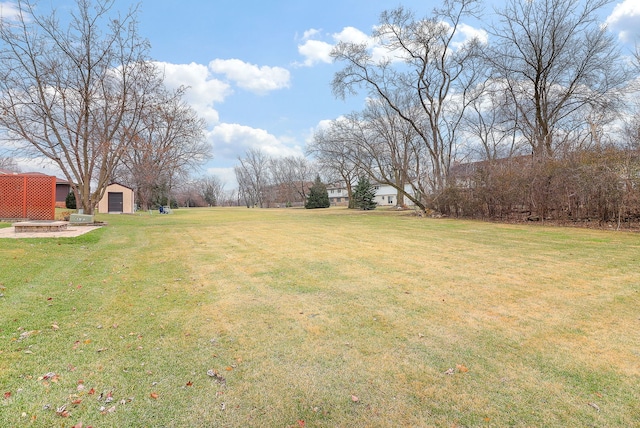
pixel 338 195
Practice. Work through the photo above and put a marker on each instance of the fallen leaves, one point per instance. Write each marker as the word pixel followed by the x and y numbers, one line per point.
pixel 105 411
pixel 154 395
pixel 62 411
pixel 355 398
pixel 26 334
pixel 51 376
pixel 7 395
pixel 460 368
pixel 216 376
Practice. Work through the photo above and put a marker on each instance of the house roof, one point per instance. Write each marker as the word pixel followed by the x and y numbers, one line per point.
pixel 120 184
pixel 8 172
pixel 467 169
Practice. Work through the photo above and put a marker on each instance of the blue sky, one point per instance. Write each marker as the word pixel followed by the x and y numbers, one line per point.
pixel 272 44
pixel 259 70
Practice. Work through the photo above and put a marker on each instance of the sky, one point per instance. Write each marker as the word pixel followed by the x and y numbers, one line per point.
pixel 259 71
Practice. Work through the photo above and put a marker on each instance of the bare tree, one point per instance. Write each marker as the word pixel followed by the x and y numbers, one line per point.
pixel 559 65
pixel 170 143
pixel 72 89
pixel 491 124
pixel 9 164
pixel 335 156
pixel 212 190
pixel 394 152
pixel 292 176
pixel 425 60
pixel 380 145
pixel 252 175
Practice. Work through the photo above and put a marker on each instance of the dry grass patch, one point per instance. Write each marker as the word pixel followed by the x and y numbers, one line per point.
pixel 324 318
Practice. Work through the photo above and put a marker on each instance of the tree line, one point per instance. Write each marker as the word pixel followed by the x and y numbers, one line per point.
pixel 533 119
pixel 536 120
pixel 266 181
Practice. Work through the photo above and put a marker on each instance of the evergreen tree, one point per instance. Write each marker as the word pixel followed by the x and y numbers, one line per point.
pixel 318 195
pixel 70 201
pixel 364 195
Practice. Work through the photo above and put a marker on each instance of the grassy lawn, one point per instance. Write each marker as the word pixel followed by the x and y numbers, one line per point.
pixel 322 318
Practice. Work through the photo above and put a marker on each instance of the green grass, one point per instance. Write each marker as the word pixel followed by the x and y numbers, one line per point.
pixel 301 311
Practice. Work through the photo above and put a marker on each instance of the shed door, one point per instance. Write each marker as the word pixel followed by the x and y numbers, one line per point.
pixel 115 202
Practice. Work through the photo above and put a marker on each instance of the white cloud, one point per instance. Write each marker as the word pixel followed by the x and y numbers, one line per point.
pixel 310 33
pixel 352 35
pixel 9 10
pixel 204 90
pixel 625 19
pixel 467 32
pixel 324 125
pixel 38 164
pixel 226 175
pixel 259 80
pixel 315 51
pixel 231 140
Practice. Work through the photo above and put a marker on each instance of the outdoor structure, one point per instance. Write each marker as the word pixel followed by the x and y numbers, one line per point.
pixel 27 196
pixel 117 199
pixel 63 187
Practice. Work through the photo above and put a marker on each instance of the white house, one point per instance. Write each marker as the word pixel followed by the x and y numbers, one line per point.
pixel 338 195
pixel 386 195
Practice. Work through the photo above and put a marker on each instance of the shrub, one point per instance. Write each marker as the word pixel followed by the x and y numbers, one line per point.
pixel 70 201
